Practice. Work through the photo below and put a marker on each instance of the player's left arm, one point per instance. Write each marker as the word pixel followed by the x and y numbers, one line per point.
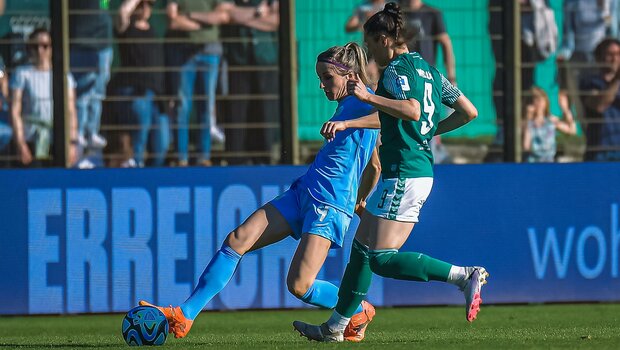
pixel 464 110
pixel 330 128
pixel 370 177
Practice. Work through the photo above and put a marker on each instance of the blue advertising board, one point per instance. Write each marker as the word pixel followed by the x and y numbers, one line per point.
pixel 97 241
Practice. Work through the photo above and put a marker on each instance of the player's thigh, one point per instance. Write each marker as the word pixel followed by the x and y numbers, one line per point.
pixel 396 204
pixel 390 234
pixel 308 259
pixel 366 228
pixel 264 227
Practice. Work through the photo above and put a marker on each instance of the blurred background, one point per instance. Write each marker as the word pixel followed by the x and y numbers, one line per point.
pixel 139 83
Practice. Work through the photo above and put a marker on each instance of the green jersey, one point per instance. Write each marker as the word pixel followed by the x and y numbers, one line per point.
pixel 405 150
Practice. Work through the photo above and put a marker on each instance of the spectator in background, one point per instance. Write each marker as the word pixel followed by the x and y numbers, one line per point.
pixel 90 33
pixel 540 126
pixel 138 50
pixel 199 61
pixel 356 23
pixel 6 132
pixel 18 18
pixel 601 100
pixel 613 29
pixel 585 26
pixel 361 13
pixel 427 31
pixel 536 45
pixel 254 26
pixel 31 104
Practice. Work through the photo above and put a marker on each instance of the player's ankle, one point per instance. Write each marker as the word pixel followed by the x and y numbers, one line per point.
pixel 337 323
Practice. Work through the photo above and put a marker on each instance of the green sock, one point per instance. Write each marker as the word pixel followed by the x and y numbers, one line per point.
pixel 355 282
pixel 408 266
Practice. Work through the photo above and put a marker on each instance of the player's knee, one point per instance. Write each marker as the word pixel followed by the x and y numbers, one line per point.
pixel 240 239
pixel 378 262
pixel 297 286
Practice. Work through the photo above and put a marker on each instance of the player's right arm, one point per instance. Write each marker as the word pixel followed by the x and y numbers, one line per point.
pixel 405 109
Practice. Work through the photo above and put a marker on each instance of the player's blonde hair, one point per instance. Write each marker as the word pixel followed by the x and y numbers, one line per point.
pixel 347 58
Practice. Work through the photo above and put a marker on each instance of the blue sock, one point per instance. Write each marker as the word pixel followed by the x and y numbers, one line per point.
pixel 214 278
pixel 323 294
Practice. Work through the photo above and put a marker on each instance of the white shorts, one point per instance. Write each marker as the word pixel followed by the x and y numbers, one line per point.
pixel 399 199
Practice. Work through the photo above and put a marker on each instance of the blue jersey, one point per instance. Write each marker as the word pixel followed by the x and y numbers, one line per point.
pixel 334 176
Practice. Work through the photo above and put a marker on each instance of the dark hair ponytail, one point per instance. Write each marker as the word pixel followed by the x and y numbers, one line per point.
pixel 389 22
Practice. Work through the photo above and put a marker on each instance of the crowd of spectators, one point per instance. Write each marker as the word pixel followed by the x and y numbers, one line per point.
pixel 139 96
pixel 134 92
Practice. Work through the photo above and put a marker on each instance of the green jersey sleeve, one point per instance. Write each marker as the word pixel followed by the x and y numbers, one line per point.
pixel 399 80
pixel 449 92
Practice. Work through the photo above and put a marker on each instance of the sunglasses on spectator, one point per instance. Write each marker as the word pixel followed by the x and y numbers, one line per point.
pixel 38 45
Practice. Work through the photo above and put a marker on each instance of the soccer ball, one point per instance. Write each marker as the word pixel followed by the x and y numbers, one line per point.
pixel 145 325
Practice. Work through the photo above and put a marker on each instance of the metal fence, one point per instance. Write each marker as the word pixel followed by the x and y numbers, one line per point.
pixel 167 88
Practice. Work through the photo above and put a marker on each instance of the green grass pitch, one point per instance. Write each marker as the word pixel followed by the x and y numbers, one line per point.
pixel 583 326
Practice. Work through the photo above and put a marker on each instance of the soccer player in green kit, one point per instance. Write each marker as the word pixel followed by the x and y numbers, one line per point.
pixel 408 99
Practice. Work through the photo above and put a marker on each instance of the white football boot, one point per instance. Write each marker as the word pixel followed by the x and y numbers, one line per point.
pixel 477 277
pixel 318 333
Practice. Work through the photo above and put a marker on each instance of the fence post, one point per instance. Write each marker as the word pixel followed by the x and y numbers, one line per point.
pixel 60 49
pixel 288 83
pixel 512 81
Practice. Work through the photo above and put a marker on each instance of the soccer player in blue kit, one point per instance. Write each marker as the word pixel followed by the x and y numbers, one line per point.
pixel 316 210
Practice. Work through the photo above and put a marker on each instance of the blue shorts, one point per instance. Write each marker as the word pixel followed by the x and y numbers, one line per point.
pixel 305 214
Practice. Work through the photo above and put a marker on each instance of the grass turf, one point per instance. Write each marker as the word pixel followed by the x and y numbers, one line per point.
pixel 583 326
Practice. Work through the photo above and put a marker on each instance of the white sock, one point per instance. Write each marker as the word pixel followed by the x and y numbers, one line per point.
pixel 337 323
pixel 457 276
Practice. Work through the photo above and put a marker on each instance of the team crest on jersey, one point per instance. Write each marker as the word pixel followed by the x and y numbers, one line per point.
pixel 404 82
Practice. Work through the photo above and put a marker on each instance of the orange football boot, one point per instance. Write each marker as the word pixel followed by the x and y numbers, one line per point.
pixel 357 326
pixel 177 323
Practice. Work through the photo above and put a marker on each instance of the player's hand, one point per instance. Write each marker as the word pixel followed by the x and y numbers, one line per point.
pixel 360 208
pixel 329 129
pixel 357 88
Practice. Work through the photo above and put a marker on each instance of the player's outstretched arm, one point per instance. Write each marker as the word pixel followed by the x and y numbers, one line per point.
pixel 464 112
pixel 330 128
